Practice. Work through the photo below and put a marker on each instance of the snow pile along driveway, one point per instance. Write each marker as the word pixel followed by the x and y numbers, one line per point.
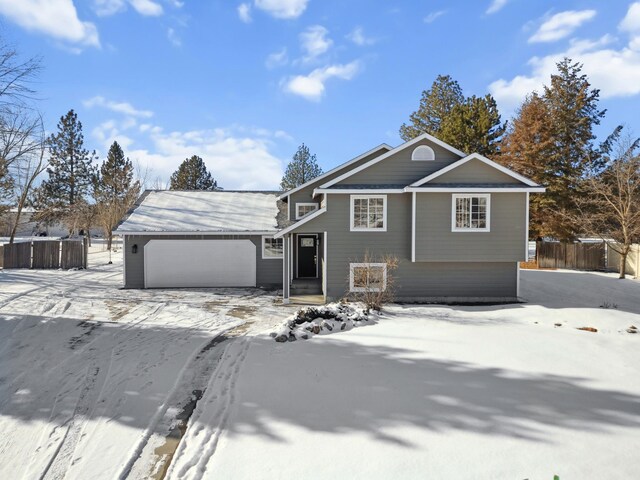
pixel 323 320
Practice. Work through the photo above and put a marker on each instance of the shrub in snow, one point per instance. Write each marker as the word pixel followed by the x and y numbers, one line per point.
pixel 333 317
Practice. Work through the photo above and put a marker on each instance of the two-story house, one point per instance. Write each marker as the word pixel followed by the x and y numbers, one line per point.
pixel 456 223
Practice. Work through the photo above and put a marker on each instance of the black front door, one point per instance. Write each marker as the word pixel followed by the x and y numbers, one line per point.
pixel 307 256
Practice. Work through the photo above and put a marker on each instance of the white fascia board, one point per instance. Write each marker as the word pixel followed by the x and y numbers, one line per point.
pixel 236 232
pixel 356 191
pixel 304 220
pixel 424 136
pixel 334 170
pixel 476 190
pixel 485 160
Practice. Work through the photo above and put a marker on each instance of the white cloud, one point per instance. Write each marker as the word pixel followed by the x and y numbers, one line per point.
pixel 238 157
pixel 173 37
pixel 495 6
pixel 282 8
pixel 433 16
pixel 358 37
pixel 244 12
pixel 55 18
pixel 147 8
pixel 615 71
pixel 312 86
pixel 119 107
pixel 277 59
pixel 314 41
pixel 631 24
pixel 561 25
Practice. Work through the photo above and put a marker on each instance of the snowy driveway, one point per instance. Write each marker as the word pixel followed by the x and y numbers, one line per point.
pixel 92 377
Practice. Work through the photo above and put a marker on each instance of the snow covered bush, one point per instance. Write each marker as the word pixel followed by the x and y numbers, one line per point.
pixel 323 320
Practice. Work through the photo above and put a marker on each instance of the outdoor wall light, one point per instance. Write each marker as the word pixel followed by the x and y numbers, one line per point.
pixel 134 248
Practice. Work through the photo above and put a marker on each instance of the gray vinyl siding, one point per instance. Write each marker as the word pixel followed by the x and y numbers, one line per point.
pixel 475 171
pixel 305 195
pixel 484 278
pixel 505 242
pixel 268 271
pixel 399 169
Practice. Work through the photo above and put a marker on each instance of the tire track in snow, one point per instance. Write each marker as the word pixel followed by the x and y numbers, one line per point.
pixel 211 416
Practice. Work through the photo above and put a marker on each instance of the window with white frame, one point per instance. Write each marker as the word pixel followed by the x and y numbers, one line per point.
pixel 423 153
pixel 367 277
pixel 271 247
pixel 368 213
pixel 303 209
pixel 471 213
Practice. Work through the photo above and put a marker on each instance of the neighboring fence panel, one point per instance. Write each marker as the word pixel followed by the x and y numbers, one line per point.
pixel 73 254
pixel 576 256
pixel 17 255
pixel 1 256
pixel 632 264
pixel 46 254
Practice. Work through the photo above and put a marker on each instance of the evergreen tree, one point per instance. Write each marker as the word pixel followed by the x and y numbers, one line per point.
pixel 70 171
pixel 436 104
pixel 192 174
pixel 114 190
pixel 302 168
pixel 552 142
pixel 474 126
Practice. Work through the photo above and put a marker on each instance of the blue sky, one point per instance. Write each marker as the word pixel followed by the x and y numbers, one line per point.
pixel 243 83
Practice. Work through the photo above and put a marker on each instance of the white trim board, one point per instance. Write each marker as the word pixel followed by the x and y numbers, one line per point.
pixel 476 190
pixel 304 220
pixel 410 143
pixel 475 156
pixel 335 169
pixel 356 191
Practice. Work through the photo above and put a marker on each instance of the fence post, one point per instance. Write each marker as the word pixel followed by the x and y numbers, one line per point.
pixel 85 251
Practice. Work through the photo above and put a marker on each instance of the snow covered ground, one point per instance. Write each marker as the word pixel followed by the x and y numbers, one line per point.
pixel 94 381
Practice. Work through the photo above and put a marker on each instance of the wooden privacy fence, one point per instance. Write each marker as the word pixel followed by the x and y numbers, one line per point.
pixel 576 256
pixel 45 254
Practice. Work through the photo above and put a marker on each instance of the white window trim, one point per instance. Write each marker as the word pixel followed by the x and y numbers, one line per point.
pixel 423 147
pixel 353 288
pixel 305 204
pixel 455 196
pixel 384 213
pixel 264 257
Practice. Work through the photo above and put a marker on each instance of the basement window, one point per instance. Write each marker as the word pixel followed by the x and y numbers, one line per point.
pixel 367 277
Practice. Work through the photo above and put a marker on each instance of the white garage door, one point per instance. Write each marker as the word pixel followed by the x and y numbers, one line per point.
pixel 199 263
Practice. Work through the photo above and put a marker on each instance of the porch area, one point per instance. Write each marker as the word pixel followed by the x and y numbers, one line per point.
pixel 304 268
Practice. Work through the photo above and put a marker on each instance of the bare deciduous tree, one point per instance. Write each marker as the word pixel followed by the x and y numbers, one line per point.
pixel 610 205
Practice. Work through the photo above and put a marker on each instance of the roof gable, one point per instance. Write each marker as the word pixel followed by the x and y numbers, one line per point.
pixel 410 143
pixel 501 173
pixel 382 148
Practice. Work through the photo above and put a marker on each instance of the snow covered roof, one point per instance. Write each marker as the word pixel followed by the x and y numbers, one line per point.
pixel 195 211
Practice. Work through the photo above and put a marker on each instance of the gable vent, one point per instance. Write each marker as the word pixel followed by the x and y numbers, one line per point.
pixel 423 153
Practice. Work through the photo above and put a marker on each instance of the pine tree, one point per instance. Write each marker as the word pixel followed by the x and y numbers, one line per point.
pixel 551 141
pixel 302 168
pixel 474 126
pixel 192 174
pixel 435 105
pixel 70 172
pixel 114 190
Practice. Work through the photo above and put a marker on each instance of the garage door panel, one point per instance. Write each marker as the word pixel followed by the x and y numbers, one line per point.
pixel 199 263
